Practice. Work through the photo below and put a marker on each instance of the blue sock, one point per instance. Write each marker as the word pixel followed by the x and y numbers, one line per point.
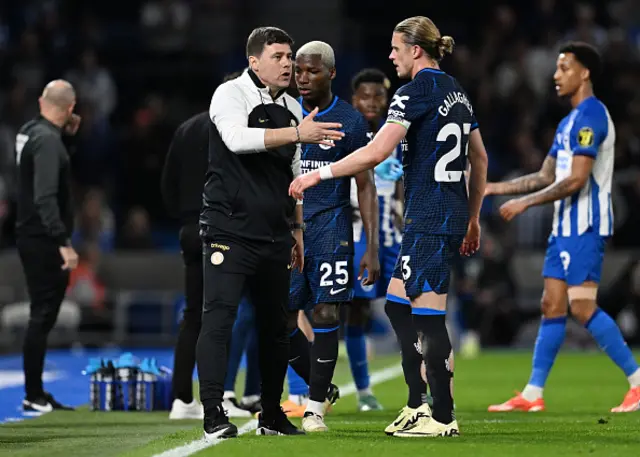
pixel 550 338
pixel 607 334
pixel 357 351
pixel 297 386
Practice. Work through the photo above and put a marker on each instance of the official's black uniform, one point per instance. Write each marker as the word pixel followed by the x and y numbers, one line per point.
pixel 245 227
pixel 44 224
pixel 182 183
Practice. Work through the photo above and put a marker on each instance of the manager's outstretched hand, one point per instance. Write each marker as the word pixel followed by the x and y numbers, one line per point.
pixel 319 132
pixel 303 182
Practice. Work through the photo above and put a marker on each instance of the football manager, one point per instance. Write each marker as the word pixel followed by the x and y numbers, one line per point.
pixel 250 227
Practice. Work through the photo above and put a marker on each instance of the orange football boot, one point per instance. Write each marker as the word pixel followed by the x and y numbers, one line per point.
pixel 518 403
pixel 630 403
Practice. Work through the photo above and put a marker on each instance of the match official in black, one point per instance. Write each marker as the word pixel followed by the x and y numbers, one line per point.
pixel 249 240
pixel 43 227
pixel 181 185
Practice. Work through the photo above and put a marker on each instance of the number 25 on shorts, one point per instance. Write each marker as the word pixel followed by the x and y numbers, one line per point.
pixel 406 269
pixel 340 274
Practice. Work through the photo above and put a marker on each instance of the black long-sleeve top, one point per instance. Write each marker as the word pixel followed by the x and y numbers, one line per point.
pixel 44 182
pixel 185 168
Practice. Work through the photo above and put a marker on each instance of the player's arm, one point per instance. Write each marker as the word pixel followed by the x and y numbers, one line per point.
pixel 591 129
pixel 580 172
pixel 296 168
pixel 367 157
pixel 368 204
pixel 478 163
pixel 528 183
pixel 381 147
pixel 398 205
pixel 297 252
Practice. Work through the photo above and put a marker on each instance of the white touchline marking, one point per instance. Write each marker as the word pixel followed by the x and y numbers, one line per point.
pixel 200 444
pixel 191 448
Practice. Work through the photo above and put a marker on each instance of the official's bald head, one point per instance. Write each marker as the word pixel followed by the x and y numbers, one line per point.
pixel 59 93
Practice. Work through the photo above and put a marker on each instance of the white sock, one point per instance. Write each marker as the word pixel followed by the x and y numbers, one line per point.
pixel 315 407
pixel 365 392
pixel 250 399
pixel 531 393
pixel 228 394
pixel 298 399
pixel 634 379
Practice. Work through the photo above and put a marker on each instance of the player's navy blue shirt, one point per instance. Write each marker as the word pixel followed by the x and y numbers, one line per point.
pixel 439 118
pixel 327 206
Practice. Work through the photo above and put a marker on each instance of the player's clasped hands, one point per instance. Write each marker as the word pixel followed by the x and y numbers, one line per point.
pixel 319 132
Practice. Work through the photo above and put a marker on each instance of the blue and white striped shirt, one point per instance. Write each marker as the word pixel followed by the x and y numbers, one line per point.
pixel 587 130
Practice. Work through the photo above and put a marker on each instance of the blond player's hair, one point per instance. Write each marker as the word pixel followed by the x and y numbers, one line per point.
pixel 319 48
pixel 421 31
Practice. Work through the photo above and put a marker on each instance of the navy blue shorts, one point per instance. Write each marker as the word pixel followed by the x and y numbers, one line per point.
pixel 327 278
pixel 425 262
pixel 388 256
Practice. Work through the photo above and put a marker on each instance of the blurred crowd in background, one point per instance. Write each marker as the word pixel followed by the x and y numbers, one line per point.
pixel 140 68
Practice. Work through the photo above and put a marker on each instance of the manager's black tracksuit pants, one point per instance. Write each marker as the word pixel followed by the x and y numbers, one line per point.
pixel 185 351
pixel 233 266
pixel 46 283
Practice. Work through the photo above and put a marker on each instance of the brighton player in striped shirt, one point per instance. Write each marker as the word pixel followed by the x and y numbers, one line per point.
pixel 576 176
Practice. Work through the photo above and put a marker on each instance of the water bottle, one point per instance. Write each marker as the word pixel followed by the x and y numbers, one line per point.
pixel 123 383
pixel 149 380
pixel 102 386
pixel 140 394
pixel 94 391
pixel 109 381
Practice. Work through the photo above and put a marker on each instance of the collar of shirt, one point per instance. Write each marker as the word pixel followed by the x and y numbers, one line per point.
pixel 249 75
pixel 49 123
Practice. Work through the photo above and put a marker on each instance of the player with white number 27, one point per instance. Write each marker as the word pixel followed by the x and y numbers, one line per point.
pixel 441 219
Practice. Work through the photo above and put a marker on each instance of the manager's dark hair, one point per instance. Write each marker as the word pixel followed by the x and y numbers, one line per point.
pixel 586 54
pixel 264 36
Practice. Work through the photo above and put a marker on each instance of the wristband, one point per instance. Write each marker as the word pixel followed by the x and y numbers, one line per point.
pixel 325 172
pixel 297 134
pixel 297 226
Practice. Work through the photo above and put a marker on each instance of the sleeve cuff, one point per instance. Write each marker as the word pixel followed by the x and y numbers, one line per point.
pixel 403 122
pixel 63 240
pixel 585 152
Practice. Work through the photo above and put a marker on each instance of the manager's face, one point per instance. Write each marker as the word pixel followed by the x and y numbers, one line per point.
pixel 274 65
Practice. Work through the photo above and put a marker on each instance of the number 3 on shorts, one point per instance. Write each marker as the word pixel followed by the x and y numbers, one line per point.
pixel 406 269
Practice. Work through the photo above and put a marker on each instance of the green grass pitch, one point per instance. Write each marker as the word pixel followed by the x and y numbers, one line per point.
pixel 580 392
